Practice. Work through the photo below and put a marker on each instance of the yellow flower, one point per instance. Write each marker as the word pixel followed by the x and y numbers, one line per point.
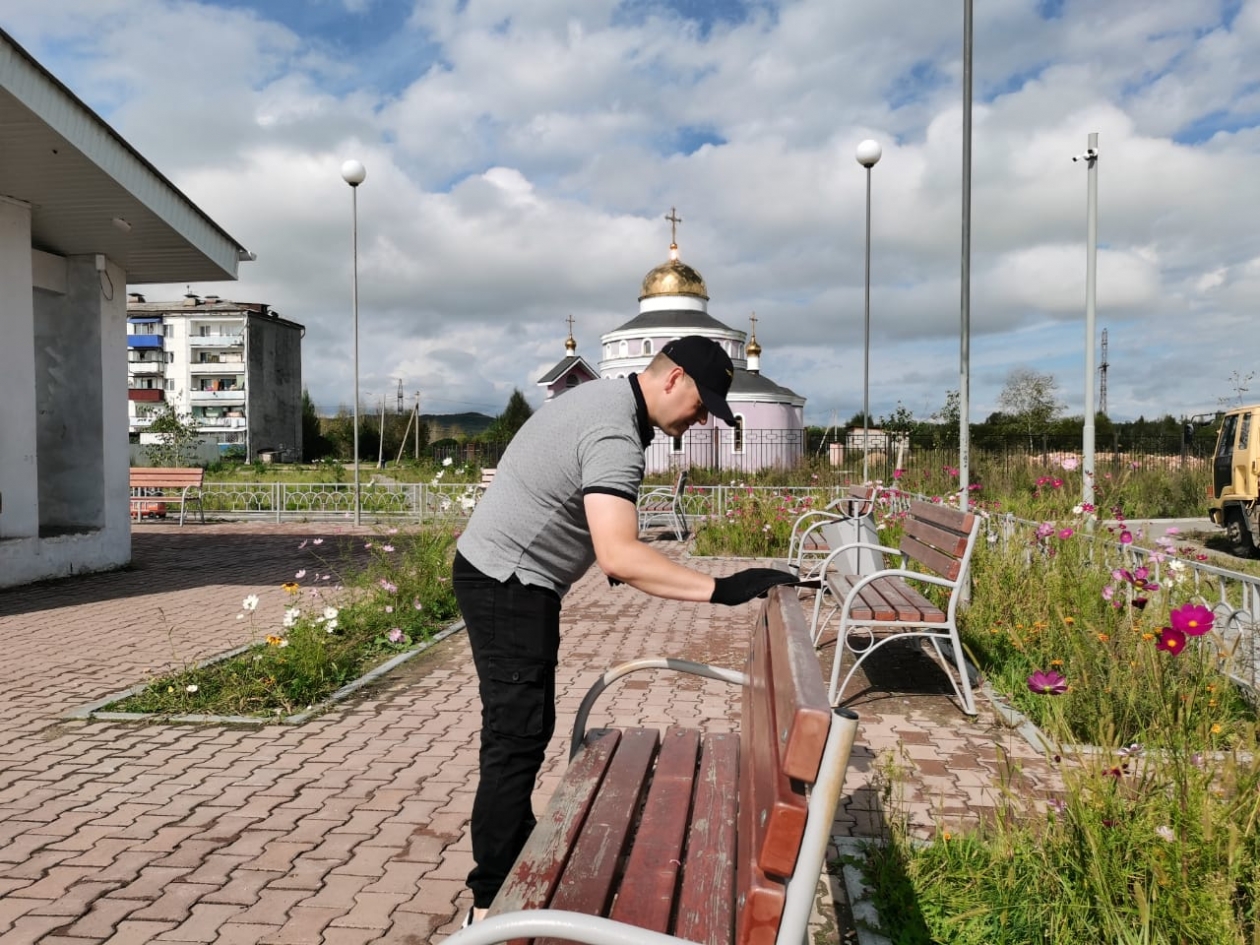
pixel 1211 703
pixel 1056 662
pixel 1216 728
pixel 1103 638
pixel 1148 636
pixel 273 640
pixel 947 835
pixel 1069 620
pixel 290 587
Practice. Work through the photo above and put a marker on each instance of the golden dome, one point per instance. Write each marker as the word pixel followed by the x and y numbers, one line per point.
pixel 753 349
pixel 673 278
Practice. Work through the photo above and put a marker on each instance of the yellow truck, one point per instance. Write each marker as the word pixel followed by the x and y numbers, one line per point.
pixel 1235 490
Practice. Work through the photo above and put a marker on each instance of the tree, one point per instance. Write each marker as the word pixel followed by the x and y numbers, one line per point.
pixel 177 438
pixel 512 419
pixel 314 444
pixel 947 418
pixel 1029 399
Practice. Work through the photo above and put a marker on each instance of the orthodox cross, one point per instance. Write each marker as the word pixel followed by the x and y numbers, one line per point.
pixel 570 321
pixel 753 318
pixel 674 219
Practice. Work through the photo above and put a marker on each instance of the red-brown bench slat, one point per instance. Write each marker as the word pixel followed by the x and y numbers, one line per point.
pixel 537 870
pixel 646 894
pixel 586 884
pixel 776 807
pixel 706 901
pixel 867 606
pixel 905 600
pixel 762 897
pixel 800 695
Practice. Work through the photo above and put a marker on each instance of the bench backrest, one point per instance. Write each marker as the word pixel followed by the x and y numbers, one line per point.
pixel 680 485
pixel 858 500
pixel 939 538
pixel 783 731
pixel 487 475
pixel 152 477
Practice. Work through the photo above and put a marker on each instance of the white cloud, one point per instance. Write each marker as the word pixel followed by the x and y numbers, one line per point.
pixel 519 167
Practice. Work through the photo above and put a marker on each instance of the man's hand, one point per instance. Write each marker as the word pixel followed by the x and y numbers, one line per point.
pixel 743 586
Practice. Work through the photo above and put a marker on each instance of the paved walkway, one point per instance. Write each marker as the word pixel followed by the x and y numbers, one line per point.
pixel 351 828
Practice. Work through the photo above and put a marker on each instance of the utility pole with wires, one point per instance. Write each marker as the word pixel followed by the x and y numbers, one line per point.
pixel 399 409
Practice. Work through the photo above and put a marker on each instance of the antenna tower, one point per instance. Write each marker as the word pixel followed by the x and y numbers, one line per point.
pixel 1102 376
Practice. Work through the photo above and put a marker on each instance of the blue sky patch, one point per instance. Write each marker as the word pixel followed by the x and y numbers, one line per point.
pixel 915 84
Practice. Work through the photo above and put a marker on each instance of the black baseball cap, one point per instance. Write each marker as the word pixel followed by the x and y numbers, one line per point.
pixel 710 367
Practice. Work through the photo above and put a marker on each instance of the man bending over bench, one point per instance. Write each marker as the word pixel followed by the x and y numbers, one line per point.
pixel 564 497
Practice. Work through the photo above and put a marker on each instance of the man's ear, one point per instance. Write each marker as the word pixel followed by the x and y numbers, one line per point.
pixel 675 375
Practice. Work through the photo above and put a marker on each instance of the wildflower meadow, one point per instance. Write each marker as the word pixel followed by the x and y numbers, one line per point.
pixel 345 611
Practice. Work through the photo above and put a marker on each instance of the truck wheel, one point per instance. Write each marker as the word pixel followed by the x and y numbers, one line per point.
pixel 1238 534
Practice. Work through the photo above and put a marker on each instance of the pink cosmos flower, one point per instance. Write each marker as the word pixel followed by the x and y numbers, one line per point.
pixel 898 473
pixel 1171 641
pixel 1070 463
pixel 1126 537
pixel 389 586
pixel 395 635
pixel 1193 620
pixel 1066 533
pixel 1047 683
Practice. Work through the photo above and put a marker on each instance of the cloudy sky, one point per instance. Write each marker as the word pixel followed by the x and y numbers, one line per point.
pixel 521 156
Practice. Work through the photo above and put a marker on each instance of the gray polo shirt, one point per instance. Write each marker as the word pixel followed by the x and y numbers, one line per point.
pixel 531 522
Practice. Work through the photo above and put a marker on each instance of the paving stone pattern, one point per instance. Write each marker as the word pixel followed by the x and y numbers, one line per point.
pixel 352 827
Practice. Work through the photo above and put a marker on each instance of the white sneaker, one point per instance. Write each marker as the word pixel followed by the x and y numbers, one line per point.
pixel 468 919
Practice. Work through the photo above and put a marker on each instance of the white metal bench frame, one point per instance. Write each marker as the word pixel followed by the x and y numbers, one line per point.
pixel 935 632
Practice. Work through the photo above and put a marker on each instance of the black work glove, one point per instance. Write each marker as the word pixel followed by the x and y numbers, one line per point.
pixel 743 586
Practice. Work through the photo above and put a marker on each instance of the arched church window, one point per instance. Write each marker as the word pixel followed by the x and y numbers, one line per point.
pixel 572 381
pixel 676 444
pixel 624 349
pixel 737 434
pixel 647 345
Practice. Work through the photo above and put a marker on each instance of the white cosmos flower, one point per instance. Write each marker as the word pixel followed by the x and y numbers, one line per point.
pixel 447 461
pixel 190 688
pixel 250 603
pixel 330 613
pixel 290 616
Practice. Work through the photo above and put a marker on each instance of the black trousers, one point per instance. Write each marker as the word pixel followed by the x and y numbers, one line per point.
pixel 514 630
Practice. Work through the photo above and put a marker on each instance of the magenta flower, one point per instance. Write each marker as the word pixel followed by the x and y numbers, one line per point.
pixel 395 635
pixel 388 586
pixel 1171 641
pixel 1126 537
pixel 1066 533
pixel 1192 619
pixel 1047 683
pixel 897 473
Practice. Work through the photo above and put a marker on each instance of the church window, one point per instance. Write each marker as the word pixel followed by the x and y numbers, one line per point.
pixel 647 345
pixel 737 434
pixel 572 381
pixel 624 349
pixel 676 444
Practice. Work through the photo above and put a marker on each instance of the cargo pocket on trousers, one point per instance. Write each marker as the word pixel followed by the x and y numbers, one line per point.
pixel 517 698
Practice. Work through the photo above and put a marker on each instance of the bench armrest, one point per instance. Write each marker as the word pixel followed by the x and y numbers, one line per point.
pixel 557 924
pixel 610 676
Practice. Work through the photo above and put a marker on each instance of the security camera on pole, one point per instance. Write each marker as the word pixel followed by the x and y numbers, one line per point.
pixel 353 173
pixel 868 155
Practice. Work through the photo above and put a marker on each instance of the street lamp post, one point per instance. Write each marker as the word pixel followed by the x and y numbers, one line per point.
pixel 868 155
pixel 1090 157
pixel 353 173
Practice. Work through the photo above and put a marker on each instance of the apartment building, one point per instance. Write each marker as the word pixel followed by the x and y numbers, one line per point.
pixel 234 368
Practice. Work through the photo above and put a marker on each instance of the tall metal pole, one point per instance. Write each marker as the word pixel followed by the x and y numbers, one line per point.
pixel 353 173
pixel 868 155
pixel 964 385
pixel 354 294
pixel 866 348
pixel 1091 267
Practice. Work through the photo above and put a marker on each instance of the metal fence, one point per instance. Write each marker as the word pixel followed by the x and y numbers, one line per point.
pixel 724 449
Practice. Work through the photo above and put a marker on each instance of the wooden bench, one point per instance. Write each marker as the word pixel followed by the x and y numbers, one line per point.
pixel 664 506
pixel 700 837
pixel 154 489
pixel 884 605
pixel 846 519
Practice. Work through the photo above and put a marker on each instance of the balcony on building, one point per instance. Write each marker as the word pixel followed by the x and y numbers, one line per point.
pixel 147 366
pixel 144 341
pixel 148 395
pixel 225 339
pixel 215 364
pixel 220 397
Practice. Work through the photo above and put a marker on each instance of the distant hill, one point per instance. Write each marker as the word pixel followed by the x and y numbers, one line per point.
pixel 452 424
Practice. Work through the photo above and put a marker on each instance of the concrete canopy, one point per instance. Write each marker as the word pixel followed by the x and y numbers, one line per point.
pixel 91 192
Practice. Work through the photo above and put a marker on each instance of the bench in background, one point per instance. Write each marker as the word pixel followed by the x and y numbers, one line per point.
pixel 849 518
pixel 664 506
pixel 165 487
pixel 887 604
pixel 700 837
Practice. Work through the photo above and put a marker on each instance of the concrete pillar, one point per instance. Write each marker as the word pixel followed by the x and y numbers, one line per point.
pixel 19 469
